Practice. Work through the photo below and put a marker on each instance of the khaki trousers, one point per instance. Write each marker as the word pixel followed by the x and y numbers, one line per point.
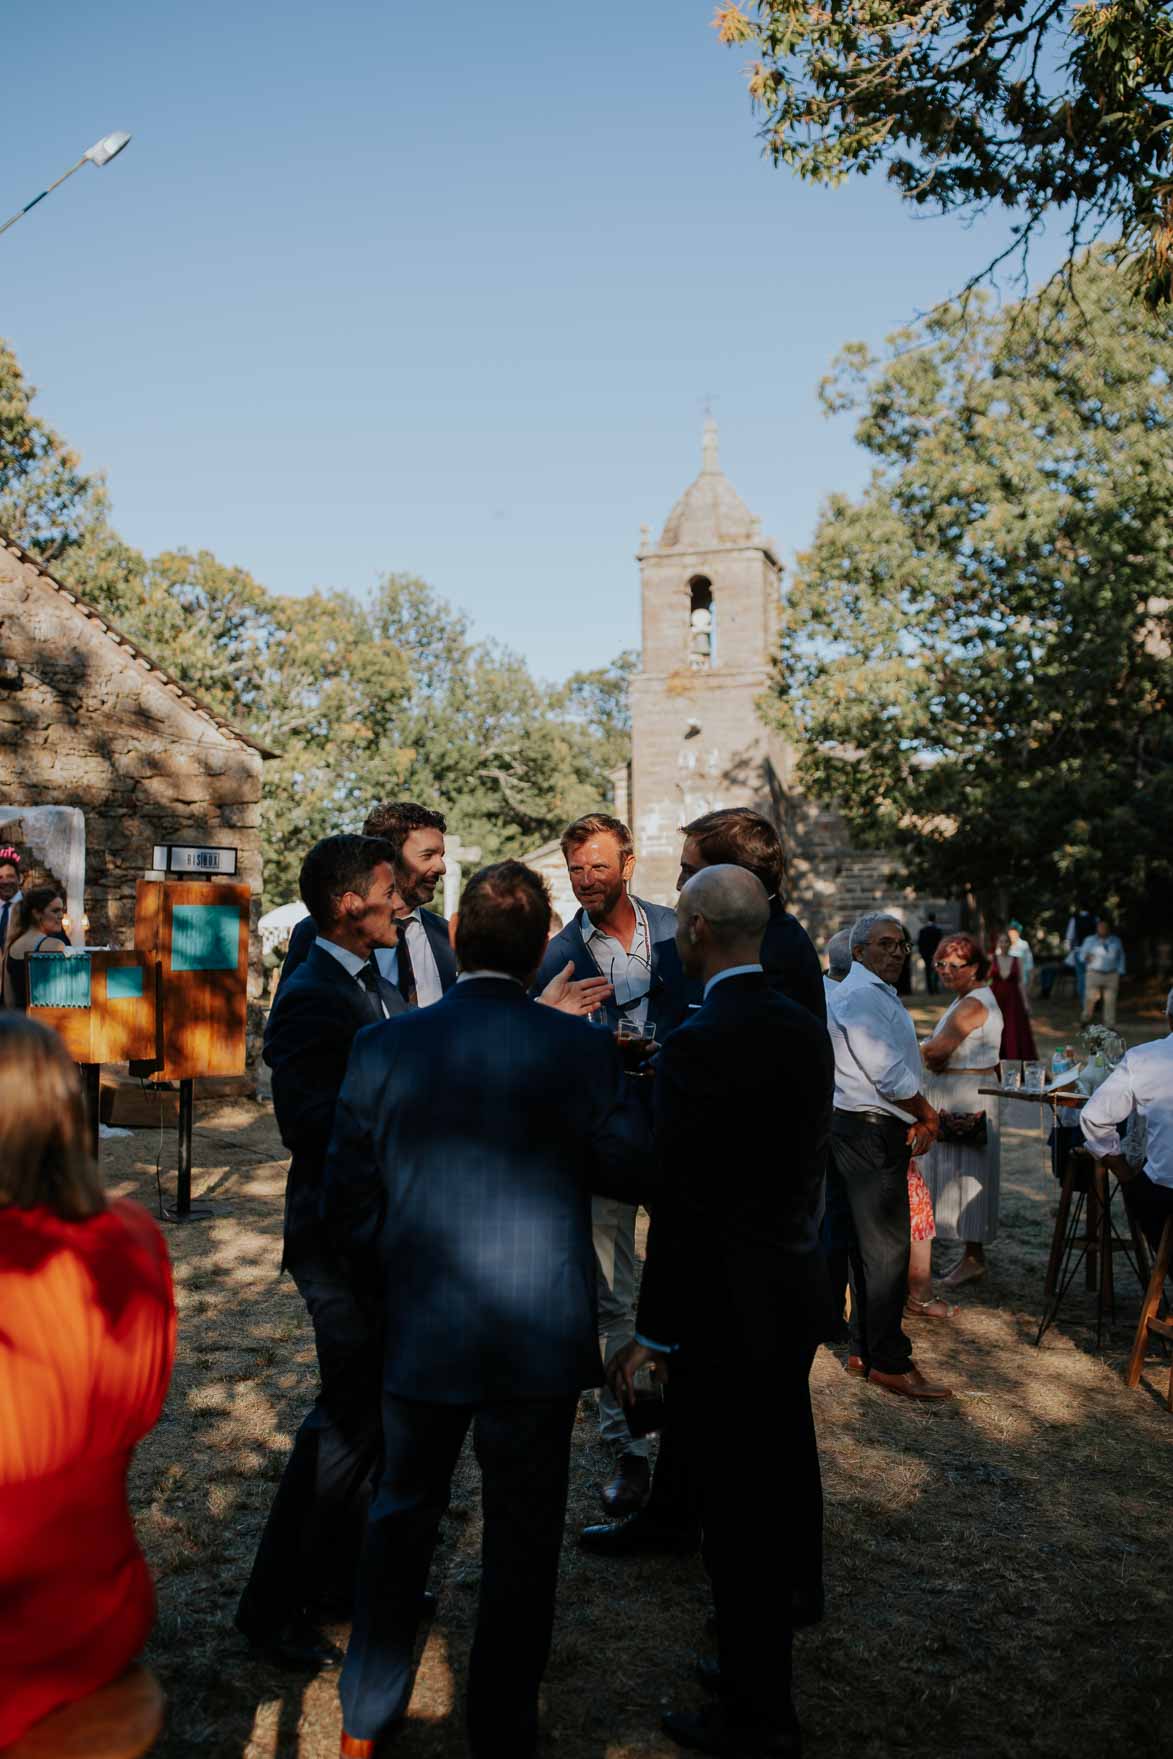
pixel 1099 984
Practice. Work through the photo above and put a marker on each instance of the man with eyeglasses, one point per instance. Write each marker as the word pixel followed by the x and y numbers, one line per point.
pixel 881 1120
pixel 631 944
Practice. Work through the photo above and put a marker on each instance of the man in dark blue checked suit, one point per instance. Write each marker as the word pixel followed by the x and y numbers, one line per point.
pixel 467 1141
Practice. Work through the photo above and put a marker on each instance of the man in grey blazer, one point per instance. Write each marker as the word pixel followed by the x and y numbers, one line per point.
pixel 631 943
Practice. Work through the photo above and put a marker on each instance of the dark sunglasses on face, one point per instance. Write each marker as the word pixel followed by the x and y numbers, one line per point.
pixel 890 946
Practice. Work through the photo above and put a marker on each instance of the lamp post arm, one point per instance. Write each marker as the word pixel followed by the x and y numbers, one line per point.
pixel 43 194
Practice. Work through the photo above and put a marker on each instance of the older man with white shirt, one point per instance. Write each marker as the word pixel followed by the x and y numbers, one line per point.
pixel 881 1119
pixel 1142 1082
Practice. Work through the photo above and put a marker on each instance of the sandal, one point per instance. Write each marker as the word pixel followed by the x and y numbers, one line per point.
pixel 936 1308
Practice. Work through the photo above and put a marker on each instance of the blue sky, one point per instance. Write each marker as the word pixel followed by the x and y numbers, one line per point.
pixel 435 288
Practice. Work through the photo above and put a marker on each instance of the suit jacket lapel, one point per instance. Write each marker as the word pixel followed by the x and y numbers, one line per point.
pixel 436 929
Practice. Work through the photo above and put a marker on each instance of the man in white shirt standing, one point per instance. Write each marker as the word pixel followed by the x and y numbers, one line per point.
pixel 881 1120
pixel 1102 958
pixel 1141 1082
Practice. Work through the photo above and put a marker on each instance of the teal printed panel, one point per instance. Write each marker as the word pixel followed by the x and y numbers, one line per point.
pixel 205 937
pixel 59 980
pixel 124 983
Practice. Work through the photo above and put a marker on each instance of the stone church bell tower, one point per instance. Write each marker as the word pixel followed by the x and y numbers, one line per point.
pixel 710 593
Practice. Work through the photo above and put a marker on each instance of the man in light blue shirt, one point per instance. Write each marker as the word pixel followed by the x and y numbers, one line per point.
pixel 1102 958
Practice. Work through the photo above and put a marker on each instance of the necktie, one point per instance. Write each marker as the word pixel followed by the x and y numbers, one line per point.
pixel 404 970
pixel 370 980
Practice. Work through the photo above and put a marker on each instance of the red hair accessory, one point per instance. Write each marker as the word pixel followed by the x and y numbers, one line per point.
pixel 10 854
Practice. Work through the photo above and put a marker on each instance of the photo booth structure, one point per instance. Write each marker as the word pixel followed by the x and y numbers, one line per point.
pixel 174 1007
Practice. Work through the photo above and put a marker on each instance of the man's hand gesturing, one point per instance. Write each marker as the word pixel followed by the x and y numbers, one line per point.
pixel 571 995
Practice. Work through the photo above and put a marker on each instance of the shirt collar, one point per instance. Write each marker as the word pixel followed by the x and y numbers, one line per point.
pixel 859 973
pixel 352 962
pixel 589 929
pixel 731 971
pixel 412 916
pixel 503 976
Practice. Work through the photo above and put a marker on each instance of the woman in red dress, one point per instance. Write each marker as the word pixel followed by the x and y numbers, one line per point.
pixel 87 1339
pixel 1006 981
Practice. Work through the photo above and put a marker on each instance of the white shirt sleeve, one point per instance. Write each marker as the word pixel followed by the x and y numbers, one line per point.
pixel 1107 1107
pixel 862 1027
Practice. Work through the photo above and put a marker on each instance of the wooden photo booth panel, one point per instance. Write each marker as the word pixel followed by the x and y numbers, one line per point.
pixel 101 1004
pixel 198 932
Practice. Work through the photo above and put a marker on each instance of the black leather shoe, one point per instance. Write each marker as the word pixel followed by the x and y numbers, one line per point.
pixel 627 1490
pixel 715 1729
pixel 636 1533
pixel 296 1645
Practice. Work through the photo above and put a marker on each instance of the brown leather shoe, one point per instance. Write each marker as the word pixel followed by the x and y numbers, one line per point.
pixel 857 1366
pixel 912 1385
pixel 627 1491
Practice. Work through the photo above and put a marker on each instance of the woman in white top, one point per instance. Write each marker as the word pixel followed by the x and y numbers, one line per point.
pixel 963 1056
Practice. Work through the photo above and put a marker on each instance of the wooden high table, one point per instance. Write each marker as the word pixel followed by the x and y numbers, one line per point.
pixel 1086 1195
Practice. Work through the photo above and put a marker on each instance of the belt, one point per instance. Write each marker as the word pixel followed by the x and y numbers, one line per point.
pixel 874 1117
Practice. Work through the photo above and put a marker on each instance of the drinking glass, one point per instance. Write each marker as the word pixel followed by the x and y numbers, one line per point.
pixel 1012 1078
pixel 1032 1077
pixel 598 1017
pixel 636 1043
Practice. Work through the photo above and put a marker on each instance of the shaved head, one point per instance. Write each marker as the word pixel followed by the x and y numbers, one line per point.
pixel 732 901
pixel 721 915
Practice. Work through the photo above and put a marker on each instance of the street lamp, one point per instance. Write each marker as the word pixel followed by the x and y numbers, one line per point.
pixel 100 153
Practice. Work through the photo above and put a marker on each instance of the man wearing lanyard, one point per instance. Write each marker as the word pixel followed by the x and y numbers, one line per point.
pixel 630 943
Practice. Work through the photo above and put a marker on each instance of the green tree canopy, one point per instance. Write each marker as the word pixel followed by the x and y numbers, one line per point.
pixel 1042 106
pixel 975 654
pixel 46 501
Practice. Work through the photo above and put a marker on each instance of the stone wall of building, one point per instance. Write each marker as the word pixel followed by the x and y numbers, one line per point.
pixel 87 721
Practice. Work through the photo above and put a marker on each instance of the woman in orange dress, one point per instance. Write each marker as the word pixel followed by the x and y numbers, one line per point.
pixel 87 1339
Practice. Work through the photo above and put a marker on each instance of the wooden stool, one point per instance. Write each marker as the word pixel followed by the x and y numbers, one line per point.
pixel 1086 1197
pixel 1150 1325
pixel 118 1721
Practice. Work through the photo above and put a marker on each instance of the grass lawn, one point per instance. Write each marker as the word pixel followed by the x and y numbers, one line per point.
pixel 997 1569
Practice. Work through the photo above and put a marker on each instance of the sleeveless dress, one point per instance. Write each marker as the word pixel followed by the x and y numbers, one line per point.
pixel 20 972
pixel 1018 1039
pixel 87 1338
pixel 963 1181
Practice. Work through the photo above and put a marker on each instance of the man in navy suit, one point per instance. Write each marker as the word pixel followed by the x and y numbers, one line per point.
pixel 467 1140
pixel 421 965
pixel 310 1546
pixel 737 837
pixel 630 943
pixel 669 1520
pixel 749 1237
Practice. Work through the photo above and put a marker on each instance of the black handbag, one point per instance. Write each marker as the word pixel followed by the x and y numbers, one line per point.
pixel 963 1129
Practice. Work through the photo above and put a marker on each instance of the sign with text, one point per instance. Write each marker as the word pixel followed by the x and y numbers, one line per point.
pixel 193 858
